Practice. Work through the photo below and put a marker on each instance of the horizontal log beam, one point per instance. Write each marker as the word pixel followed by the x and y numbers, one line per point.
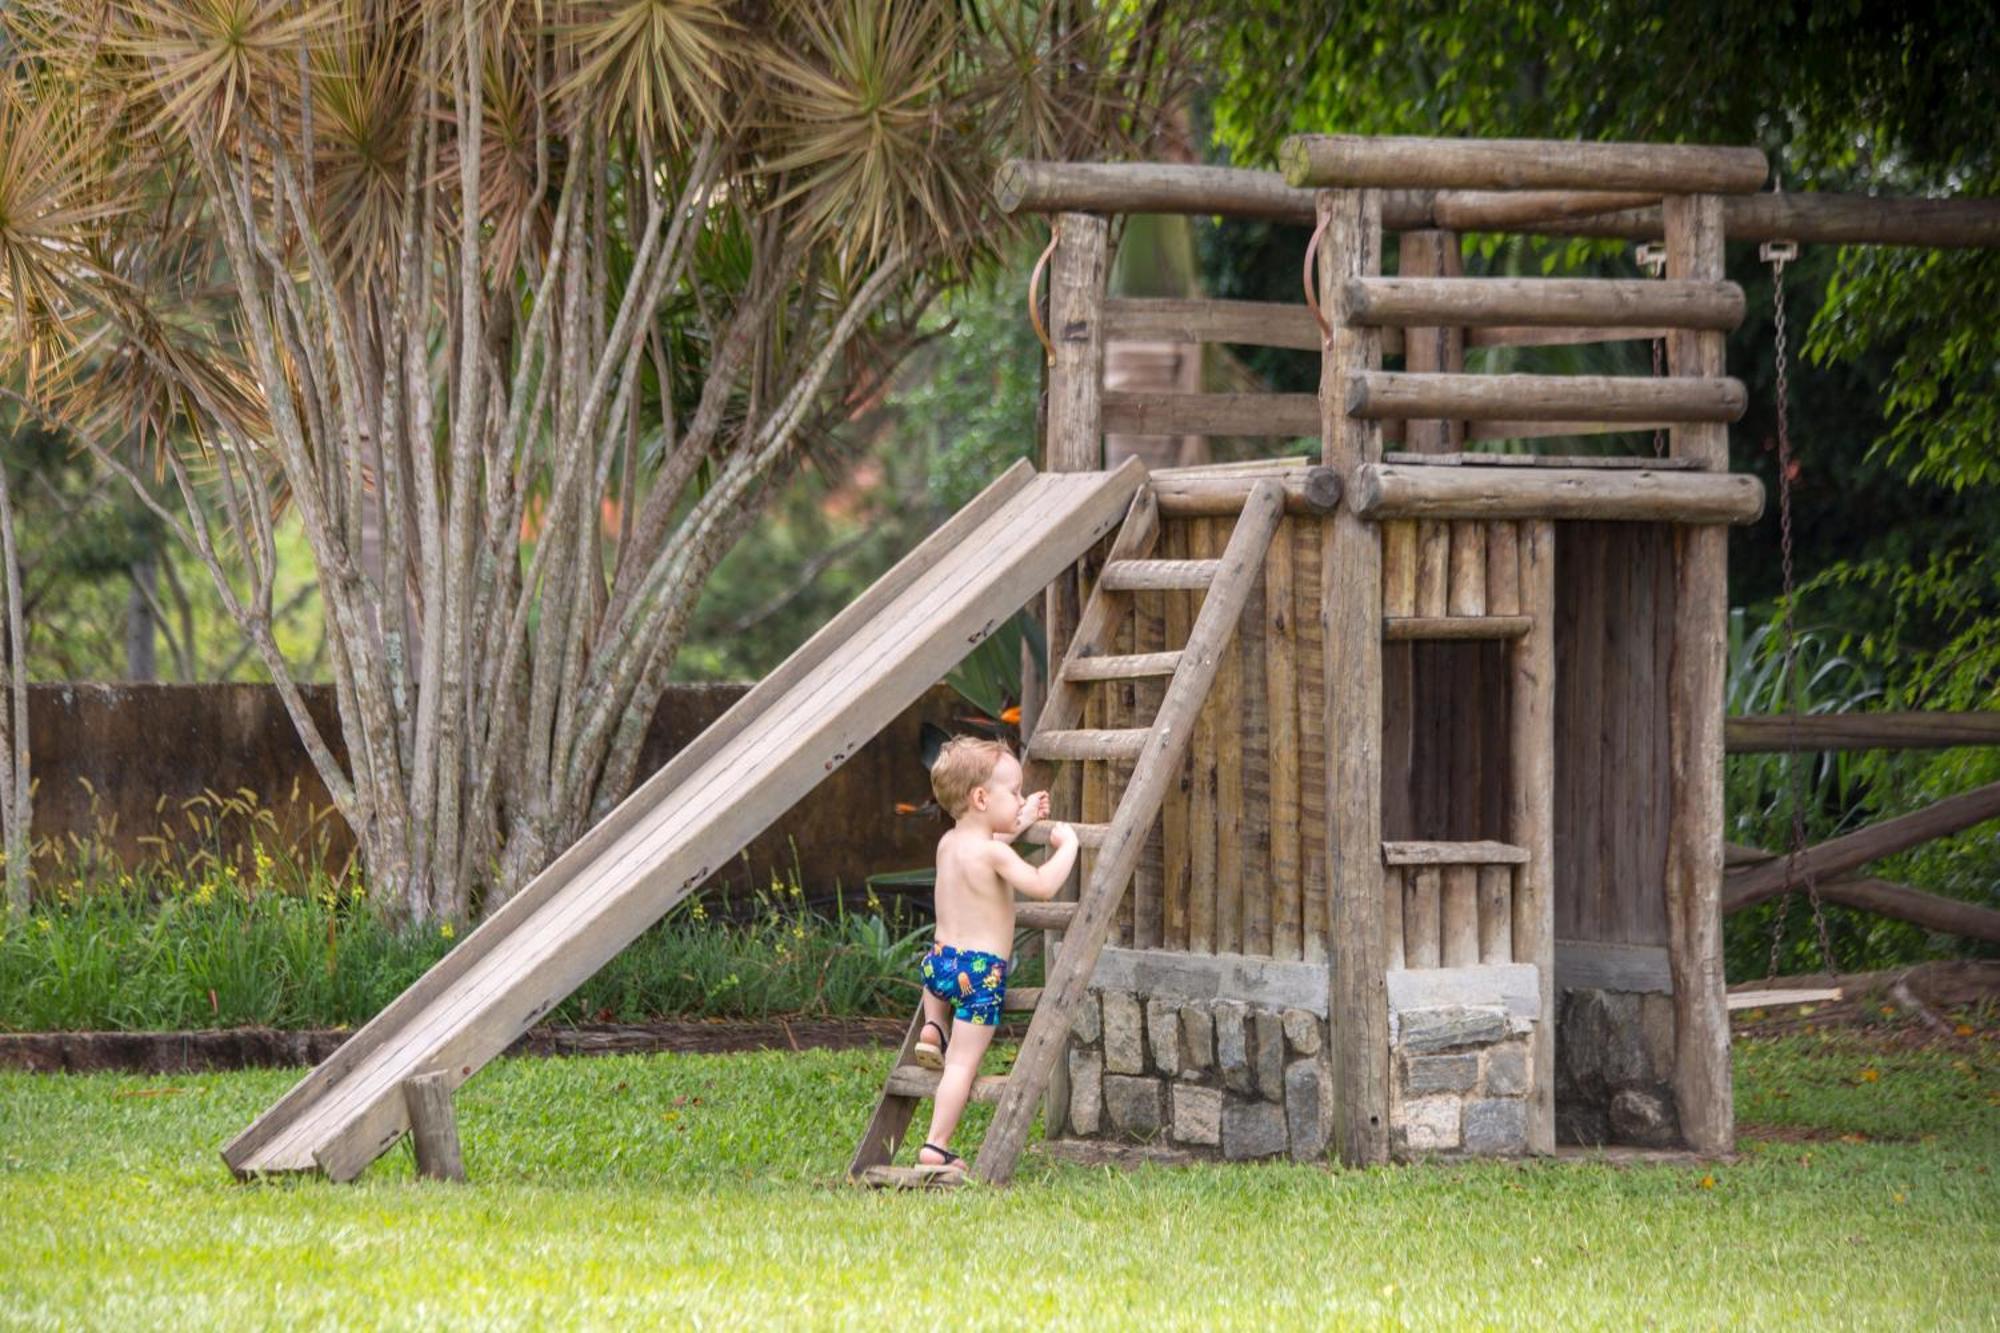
pixel 1900 902
pixel 1606 462
pixel 1388 162
pixel 1817 219
pixel 1397 629
pixel 1860 731
pixel 1829 859
pixel 1812 218
pixel 1309 490
pixel 1148 187
pixel 1376 394
pixel 1286 415
pixel 1473 302
pixel 1382 491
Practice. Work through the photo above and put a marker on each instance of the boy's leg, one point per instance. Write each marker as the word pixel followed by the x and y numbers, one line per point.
pixel 961 1065
pixel 938 1012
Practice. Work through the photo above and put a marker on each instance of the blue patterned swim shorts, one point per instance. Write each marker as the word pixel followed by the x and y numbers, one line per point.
pixel 973 983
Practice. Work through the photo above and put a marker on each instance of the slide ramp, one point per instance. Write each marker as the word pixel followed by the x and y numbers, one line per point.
pixel 845 685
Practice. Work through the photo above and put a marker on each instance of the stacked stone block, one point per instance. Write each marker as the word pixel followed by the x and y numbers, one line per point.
pixel 1211 1077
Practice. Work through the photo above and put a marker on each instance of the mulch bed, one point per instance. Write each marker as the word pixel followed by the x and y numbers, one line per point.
pixel 257 1048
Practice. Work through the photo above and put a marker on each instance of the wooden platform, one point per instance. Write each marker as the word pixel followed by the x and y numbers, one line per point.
pixel 767 752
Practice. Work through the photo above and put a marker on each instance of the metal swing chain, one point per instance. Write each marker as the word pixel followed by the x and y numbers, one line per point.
pixel 1777 254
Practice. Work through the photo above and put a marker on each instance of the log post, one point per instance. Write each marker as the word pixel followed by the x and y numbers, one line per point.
pixel 1702 1081
pixel 1358 1002
pixel 1074 443
pixel 433 1127
pixel 1531 810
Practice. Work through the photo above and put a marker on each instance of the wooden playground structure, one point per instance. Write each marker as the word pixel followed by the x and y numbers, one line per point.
pixel 1377 758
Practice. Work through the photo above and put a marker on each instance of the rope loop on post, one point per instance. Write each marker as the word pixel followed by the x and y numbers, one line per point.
pixel 1035 296
pixel 1312 288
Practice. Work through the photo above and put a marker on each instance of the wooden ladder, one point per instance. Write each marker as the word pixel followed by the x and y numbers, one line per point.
pixel 1156 753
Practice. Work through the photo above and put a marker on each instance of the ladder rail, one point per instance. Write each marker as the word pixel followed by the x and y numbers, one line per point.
pixel 1157 765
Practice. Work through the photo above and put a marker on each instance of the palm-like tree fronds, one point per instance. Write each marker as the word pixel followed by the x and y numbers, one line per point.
pixel 207 58
pixel 862 110
pixel 661 64
pixel 53 200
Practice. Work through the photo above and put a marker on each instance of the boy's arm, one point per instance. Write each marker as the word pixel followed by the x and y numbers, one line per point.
pixel 1034 808
pixel 1030 881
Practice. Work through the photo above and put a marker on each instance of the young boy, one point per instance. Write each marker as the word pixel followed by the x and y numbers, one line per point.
pixel 978 782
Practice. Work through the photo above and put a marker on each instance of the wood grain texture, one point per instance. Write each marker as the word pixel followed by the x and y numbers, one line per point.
pixel 1395 890
pixel 1378 394
pixel 1496 914
pixel 1466 592
pixel 1702 1079
pixel 1423 930
pixel 1503 569
pixel 1418 301
pixel 1531 823
pixel 1352 577
pixel 1430 346
pixel 1400 629
pixel 433 1127
pixel 1388 491
pixel 1421 853
pixel 1309 612
pixel 1384 161
pixel 1202 830
pixel 1254 830
pixel 1458 915
pixel 1281 691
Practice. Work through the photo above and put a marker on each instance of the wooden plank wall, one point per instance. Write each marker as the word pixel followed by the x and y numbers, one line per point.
pixel 1444 741
pixel 1237 863
pixel 1614 623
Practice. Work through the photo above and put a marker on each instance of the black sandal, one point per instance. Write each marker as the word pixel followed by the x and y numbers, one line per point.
pixel 952 1161
pixel 929 1055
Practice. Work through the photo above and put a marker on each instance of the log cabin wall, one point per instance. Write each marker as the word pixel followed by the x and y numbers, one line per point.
pixel 1237 862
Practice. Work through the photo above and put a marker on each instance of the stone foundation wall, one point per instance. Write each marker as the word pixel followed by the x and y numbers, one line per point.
pixel 1460 1070
pixel 1204 1055
pixel 1614 1066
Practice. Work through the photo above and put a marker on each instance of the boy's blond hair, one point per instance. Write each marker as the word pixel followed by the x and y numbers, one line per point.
pixel 965 762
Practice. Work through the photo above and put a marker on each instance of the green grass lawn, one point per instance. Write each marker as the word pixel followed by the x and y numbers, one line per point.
pixel 641 1191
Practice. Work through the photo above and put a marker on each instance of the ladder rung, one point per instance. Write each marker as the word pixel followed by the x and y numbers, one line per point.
pixel 1456 627
pixel 1147 575
pixel 1044 916
pixel 1125 667
pixel 916 1081
pixel 911 1178
pixel 1120 744
pixel 1021 1000
pixel 1089 835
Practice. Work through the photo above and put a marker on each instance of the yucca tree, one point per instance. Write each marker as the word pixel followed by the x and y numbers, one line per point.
pixel 522 309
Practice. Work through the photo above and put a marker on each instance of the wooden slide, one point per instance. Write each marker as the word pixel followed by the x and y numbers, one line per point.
pixel 845 685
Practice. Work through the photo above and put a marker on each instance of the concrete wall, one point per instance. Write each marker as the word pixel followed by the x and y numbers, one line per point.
pixel 115 763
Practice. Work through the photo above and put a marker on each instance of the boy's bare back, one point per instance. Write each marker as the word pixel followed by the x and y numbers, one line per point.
pixel 978 873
